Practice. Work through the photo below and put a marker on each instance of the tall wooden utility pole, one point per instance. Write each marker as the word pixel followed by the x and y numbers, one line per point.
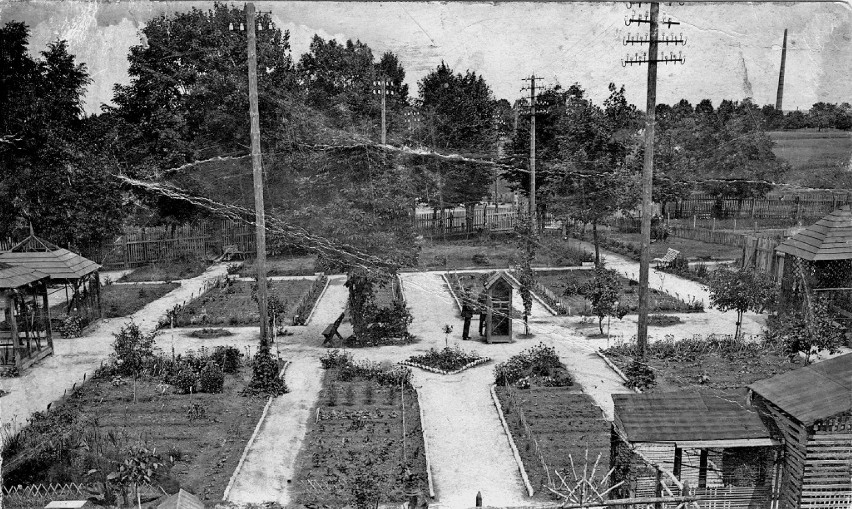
pixel 532 210
pixel 257 170
pixel 651 59
pixel 380 87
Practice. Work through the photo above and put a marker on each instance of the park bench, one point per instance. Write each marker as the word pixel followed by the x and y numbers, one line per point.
pixel 331 330
pixel 232 251
pixel 670 256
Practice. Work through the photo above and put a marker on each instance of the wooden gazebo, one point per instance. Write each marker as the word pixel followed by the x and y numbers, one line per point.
pixel 498 302
pixel 817 262
pixel 812 411
pixel 25 334
pixel 65 268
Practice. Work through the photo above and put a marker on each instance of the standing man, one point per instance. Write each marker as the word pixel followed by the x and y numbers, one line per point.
pixel 481 303
pixel 467 314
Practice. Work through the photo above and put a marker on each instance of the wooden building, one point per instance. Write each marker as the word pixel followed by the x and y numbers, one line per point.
pixel 498 302
pixel 25 333
pixel 693 443
pixel 811 408
pixel 65 268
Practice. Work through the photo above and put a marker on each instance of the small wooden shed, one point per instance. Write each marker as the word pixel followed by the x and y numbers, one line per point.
pixel 65 268
pixel 693 443
pixel 811 408
pixel 498 302
pixel 25 333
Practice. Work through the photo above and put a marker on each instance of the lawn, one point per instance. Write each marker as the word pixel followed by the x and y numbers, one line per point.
pixel 568 285
pixel 354 443
pixel 564 423
pixel 282 266
pixel 716 363
pixel 691 249
pixel 206 449
pixel 810 152
pixel 123 300
pixel 499 253
pixel 170 271
pixel 230 303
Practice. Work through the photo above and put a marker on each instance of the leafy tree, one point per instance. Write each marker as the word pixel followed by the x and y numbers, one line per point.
pixel 806 331
pixel 527 242
pixel 603 291
pixel 740 290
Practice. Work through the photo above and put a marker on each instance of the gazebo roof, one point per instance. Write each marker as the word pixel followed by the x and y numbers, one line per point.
pixel 505 276
pixel 58 263
pixel 12 276
pixel 830 238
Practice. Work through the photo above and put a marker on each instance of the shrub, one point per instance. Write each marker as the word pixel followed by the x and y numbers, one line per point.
pixel 798 331
pixel 72 326
pixel 229 358
pixel 481 259
pixel 335 359
pixel 265 379
pixel 663 320
pixel 639 375
pixel 194 412
pixel 538 362
pixel 212 379
pixel 132 349
pixel 185 380
pixel 448 359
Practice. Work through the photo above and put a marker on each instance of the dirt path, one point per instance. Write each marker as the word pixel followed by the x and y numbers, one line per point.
pixel 48 380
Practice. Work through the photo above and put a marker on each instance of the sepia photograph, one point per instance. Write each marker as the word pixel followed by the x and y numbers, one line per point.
pixel 233 236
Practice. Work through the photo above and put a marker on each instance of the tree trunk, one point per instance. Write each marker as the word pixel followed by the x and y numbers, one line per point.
pixel 600 324
pixel 597 245
pixel 739 324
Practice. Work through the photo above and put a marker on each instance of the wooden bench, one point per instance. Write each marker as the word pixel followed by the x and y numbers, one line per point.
pixel 670 256
pixel 331 330
pixel 230 252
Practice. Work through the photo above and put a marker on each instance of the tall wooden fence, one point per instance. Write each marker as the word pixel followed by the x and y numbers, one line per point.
pixel 456 221
pixel 759 254
pixel 793 207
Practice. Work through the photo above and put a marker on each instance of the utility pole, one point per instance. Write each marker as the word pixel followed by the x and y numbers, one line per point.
pixel 381 88
pixel 532 208
pixel 653 40
pixel 257 170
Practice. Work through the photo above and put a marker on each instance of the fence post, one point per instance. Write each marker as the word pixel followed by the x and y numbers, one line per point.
pixel 126 253
pixel 694 217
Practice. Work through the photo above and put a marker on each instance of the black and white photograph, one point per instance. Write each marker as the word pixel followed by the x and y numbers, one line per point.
pixel 410 255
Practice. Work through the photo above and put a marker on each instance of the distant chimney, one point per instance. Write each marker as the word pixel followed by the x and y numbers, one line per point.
pixel 779 99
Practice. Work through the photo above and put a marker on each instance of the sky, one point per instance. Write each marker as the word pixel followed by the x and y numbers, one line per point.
pixel 733 50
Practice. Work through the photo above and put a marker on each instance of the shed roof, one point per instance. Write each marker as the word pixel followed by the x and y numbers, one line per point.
pixel 830 238
pixel 811 393
pixel 502 274
pixel 60 264
pixel 687 416
pixel 14 276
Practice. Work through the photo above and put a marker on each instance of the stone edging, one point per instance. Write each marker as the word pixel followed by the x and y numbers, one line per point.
pixel 515 453
pixel 316 302
pixel 251 440
pixel 469 365
pixel 425 448
pixel 450 289
pixel 615 368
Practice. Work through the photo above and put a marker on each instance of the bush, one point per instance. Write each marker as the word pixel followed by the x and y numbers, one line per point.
pixel 265 379
pixel 72 326
pixel 212 379
pixel 537 363
pixel 228 358
pixel 132 349
pixel 185 380
pixel 481 259
pixel 335 359
pixel 639 375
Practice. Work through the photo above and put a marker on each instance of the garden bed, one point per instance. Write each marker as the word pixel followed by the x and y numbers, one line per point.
pixel 205 449
pixel 551 426
pixel 282 266
pixel 712 363
pixel 231 303
pixel 498 254
pixel 170 271
pixel 122 300
pixel 629 244
pixel 353 450
pixel 569 284
pixel 449 361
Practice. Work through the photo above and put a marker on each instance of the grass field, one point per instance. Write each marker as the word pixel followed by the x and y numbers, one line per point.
pixel 815 156
pixel 206 449
pixel 498 253
pixel 231 303
pixel 282 266
pixel 355 443
pixel 166 271
pixel 123 300
pixel 565 423
pixel 691 249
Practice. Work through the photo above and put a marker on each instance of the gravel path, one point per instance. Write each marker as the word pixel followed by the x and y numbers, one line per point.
pixel 48 380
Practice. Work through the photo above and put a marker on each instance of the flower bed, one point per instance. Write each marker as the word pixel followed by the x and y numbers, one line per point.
pixel 449 361
pixel 536 366
pixel 356 450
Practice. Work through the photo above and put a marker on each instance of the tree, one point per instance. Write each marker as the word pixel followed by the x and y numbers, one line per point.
pixel 806 331
pixel 527 240
pixel 603 291
pixel 740 290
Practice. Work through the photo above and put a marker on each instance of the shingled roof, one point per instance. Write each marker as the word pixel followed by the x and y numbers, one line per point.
pixel 811 393
pixel 686 417
pixel 830 238
pixel 60 264
pixel 12 276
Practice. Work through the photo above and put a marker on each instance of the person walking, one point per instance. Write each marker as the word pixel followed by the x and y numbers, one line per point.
pixel 467 314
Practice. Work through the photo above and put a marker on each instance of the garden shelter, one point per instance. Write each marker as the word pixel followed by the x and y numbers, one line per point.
pixel 811 408
pixel 498 303
pixel 817 263
pixel 65 268
pixel 693 443
pixel 25 333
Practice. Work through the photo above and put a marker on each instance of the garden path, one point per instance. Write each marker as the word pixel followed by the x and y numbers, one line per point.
pixel 48 380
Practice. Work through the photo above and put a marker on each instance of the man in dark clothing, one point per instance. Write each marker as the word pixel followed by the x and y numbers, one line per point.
pixel 483 312
pixel 467 314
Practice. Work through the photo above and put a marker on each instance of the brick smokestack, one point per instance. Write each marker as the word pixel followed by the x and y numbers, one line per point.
pixel 779 99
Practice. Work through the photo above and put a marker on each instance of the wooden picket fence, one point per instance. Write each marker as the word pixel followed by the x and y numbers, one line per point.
pixel 795 207
pixel 455 221
pixel 39 495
